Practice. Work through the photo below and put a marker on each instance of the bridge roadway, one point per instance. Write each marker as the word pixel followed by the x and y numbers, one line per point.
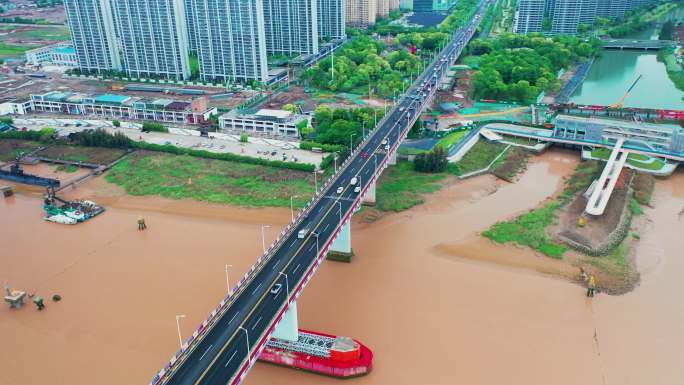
pixel 636 44
pixel 231 345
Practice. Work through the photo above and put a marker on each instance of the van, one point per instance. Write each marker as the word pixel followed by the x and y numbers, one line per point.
pixel 401 109
pixel 302 233
pixel 354 180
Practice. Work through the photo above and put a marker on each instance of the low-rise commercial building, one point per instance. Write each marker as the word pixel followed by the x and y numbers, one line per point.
pixel 647 136
pixel 265 122
pixel 61 54
pixel 112 106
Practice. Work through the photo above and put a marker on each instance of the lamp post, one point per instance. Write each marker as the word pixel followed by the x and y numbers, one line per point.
pixel 363 128
pixel 318 250
pixel 249 353
pixel 227 281
pixel 263 237
pixel 180 339
pixel 292 206
pixel 351 143
pixel 287 283
pixel 340 210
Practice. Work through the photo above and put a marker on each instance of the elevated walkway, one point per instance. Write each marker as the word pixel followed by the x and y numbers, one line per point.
pixel 603 189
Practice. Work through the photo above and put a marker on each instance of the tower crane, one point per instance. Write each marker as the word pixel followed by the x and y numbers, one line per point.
pixel 621 102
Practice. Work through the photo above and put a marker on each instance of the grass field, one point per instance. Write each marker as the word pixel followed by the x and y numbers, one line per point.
pixel 401 187
pixel 530 229
pixel 9 50
pixel 51 33
pixel 215 181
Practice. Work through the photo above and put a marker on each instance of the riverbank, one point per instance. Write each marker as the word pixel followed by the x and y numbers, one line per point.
pixel 673 68
pixel 413 275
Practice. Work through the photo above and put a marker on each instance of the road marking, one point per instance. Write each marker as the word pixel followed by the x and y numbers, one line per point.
pixel 293 243
pixel 275 265
pixel 351 169
pixel 296 268
pixel 257 288
pixel 312 246
pixel 205 352
pixel 234 315
pixel 326 228
pixel 230 359
pixel 256 323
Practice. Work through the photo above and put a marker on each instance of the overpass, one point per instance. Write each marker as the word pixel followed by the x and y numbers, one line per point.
pixel 636 44
pixel 228 343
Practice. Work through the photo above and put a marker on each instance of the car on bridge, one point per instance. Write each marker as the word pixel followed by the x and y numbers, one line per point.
pixel 276 288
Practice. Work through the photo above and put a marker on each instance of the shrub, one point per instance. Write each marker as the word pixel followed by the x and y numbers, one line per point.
pixel 433 161
pixel 116 123
pixel 7 120
pixel 308 145
pixel 244 138
pixel 56 297
pixel 154 126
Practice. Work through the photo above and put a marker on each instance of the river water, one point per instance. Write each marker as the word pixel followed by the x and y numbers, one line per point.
pixel 615 71
pixel 438 304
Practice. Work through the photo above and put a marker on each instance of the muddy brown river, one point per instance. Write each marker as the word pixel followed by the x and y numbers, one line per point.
pixel 436 303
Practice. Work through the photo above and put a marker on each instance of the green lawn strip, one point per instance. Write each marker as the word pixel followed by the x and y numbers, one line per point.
pixel 410 151
pixel 637 160
pixel 478 158
pixel 401 187
pixel 215 181
pixel 452 138
pixel 67 168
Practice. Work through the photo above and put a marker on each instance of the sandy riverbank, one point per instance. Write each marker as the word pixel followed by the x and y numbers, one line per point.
pixel 424 291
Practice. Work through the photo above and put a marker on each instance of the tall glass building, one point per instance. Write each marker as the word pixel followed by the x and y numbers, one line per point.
pixel 153 38
pixel 92 31
pixel 231 40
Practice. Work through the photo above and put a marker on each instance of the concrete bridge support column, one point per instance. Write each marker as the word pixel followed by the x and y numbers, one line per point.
pixel 288 328
pixel 369 198
pixel 340 249
pixel 392 159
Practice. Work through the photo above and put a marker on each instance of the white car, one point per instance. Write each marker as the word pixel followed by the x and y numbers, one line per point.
pixel 276 288
pixel 357 189
pixel 340 189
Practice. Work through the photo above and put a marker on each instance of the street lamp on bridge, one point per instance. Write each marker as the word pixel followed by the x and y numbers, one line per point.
pixel 263 237
pixel 180 339
pixel 249 353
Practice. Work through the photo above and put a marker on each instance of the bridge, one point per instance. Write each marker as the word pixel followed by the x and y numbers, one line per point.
pixel 228 343
pixel 636 44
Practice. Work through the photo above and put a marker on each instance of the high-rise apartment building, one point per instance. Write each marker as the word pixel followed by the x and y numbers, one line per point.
pixel 291 26
pixel 92 31
pixel 190 18
pixel 152 38
pixel 231 40
pixel 566 16
pixel 331 19
pixel 383 8
pixel 529 16
pixel 361 13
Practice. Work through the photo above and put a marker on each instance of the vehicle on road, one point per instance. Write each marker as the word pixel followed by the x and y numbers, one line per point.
pixel 357 189
pixel 340 189
pixel 364 154
pixel 302 233
pixel 276 288
pixel 353 181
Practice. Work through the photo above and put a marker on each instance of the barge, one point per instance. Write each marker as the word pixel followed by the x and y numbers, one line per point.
pixel 340 357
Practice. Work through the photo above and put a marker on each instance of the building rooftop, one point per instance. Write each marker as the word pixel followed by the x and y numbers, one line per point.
pixel 280 114
pixel 111 99
pixel 618 123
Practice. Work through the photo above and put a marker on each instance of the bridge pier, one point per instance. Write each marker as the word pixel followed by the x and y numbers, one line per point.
pixel 392 159
pixel 340 249
pixel 288 328
pixel 369 198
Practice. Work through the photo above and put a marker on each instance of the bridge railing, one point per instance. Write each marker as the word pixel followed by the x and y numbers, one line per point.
pixel 217 312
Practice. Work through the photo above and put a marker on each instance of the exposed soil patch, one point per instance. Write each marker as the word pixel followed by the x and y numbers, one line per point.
pixel 514 163
pixel 11 148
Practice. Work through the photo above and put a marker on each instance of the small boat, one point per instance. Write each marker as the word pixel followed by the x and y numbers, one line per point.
pixel 61 218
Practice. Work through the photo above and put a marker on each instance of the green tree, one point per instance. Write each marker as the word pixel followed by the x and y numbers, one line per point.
pixel 116 123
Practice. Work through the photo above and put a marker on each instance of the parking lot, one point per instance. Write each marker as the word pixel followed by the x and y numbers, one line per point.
pixel 272 149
